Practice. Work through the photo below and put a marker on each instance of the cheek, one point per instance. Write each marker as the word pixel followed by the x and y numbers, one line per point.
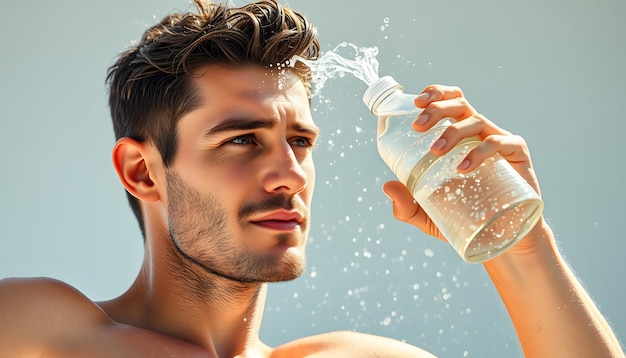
pixel 232 184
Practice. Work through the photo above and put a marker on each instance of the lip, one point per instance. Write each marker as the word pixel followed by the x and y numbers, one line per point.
pixel 280 220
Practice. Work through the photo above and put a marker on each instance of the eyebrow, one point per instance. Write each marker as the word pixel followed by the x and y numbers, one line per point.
pixel 239 124
pixel 243 123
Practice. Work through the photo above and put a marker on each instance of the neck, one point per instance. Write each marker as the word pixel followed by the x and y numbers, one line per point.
pixel 176 297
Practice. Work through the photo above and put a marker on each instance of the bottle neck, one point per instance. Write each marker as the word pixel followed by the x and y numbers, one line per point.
pixel 378 91
pixel 386 97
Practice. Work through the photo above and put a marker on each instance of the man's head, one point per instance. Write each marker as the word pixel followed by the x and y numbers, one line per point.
pixel 151 85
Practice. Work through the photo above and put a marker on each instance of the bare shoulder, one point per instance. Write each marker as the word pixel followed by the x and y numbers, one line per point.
pixel 37 299
pixel 46 317
pixel 19 295
pixel 348 344
pixel 35 310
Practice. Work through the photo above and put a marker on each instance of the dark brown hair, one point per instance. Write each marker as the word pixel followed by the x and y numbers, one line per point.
pixel 150 87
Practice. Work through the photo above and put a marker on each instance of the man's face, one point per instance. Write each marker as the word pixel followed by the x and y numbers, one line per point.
pixel 239 189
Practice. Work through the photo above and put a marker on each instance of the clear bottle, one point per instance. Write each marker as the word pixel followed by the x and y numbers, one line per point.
pixel 481 213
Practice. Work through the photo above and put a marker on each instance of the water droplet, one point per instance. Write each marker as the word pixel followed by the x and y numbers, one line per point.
pixel 386 322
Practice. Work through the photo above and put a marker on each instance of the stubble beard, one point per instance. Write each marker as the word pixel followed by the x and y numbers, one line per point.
pixel 198 227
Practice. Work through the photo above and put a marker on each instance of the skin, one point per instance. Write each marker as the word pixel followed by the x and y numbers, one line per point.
pixel 232 212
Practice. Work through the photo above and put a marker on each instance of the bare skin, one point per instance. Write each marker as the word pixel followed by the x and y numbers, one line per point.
pixel 245 193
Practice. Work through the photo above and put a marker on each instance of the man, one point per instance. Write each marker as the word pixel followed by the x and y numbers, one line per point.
pixel 214 146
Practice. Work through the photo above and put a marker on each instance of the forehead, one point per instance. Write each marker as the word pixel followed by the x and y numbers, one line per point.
pixel 220 85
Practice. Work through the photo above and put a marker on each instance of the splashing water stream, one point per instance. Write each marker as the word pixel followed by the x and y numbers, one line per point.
pixel 331 64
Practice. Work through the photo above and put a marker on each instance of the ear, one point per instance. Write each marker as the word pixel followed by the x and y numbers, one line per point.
pixel 130 159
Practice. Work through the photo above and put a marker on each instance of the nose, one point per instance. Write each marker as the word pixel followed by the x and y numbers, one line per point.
pixel 284 173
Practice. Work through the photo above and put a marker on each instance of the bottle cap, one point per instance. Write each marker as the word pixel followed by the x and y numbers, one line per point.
pixel 379 90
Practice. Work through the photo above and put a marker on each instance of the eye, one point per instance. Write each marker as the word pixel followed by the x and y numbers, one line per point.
pixel 302 142
pixel 243 140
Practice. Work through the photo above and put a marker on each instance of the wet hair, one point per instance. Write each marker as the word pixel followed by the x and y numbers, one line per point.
pixel 150 85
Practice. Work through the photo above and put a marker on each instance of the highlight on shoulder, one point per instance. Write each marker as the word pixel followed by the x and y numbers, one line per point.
pixel 35 313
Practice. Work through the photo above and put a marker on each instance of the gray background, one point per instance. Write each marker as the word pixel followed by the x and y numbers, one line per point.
pixel 550 71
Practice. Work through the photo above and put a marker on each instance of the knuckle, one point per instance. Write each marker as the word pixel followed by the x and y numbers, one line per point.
pixel 435 106
pixel 453 130
pixel 519 139
pixel 492 140
pixel 456 90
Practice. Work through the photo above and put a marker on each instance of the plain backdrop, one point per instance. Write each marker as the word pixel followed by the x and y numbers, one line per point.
pixel 552 72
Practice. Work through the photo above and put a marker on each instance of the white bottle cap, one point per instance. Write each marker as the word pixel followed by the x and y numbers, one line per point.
pixel 378 91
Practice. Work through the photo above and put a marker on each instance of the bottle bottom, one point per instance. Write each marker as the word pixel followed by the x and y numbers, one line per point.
pixel 502 232
pixel 481 213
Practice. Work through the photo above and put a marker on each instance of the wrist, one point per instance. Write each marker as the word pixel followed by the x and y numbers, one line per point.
pixel 537 248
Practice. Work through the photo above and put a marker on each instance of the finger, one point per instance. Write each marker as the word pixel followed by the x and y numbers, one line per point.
pixel 512 147
pixel 437 93
pixel 433 94
pixel 475 126
pixel 456 108
pixel 404 205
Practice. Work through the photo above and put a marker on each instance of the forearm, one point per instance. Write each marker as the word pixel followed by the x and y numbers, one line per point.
pixel 551 312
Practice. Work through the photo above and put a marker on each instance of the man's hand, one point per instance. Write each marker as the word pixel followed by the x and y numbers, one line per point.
pixel 441 102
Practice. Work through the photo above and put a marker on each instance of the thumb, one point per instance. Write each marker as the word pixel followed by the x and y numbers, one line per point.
pixel 404 206
pixel 406 209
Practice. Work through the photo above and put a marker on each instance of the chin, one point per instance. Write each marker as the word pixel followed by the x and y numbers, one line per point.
pixel 291 270
pixel 286 267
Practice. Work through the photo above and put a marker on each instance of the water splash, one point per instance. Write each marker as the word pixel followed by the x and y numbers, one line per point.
pixel 331 64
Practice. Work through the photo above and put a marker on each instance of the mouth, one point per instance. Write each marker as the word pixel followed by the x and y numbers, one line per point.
pixel 280 221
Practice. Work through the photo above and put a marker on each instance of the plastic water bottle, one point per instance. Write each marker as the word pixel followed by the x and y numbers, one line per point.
pixel 482 213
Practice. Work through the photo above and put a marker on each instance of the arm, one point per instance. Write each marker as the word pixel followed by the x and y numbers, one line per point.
pixel 551 312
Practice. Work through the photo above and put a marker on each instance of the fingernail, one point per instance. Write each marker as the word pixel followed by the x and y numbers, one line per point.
pixel 421 119
pixel 423 96
pixel 464 164
pixel 439 144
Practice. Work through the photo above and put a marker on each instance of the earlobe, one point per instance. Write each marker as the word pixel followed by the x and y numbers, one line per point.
pixel 130 159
